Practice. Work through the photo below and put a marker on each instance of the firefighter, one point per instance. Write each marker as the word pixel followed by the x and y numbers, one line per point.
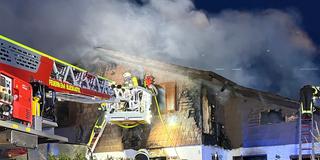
pixel 149 83
pixel 129 80
pixel 306 98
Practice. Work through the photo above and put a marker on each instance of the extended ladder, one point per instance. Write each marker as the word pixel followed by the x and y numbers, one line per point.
pixel 97 132
pixel 306 138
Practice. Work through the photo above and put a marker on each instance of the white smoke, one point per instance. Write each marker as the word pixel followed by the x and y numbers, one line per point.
pixel 265 49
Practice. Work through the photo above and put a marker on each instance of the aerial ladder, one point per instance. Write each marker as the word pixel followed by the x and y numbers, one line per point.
pixel 97 132
pixel 307 125
pixel 31 82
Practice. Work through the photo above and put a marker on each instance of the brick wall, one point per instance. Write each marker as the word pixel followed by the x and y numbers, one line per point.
pixel 186 129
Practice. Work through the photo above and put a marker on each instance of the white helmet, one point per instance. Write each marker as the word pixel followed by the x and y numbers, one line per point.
pixel 127 75
pixel 142 154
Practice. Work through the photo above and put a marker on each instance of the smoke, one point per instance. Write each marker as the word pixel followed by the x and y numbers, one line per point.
pixel 264 49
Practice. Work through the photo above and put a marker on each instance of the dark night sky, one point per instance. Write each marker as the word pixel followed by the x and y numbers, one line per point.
pixel 281 71
pixel 308 10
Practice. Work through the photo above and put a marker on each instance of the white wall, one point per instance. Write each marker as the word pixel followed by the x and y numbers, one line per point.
pixel 105 155
pixel 209 151
pixel 200 152
pixel 185 153
pixel 281 152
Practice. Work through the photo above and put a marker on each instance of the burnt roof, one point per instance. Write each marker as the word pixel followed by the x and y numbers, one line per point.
pixel 195 73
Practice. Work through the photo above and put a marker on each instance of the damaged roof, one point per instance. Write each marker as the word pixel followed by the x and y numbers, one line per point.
pixel 119 57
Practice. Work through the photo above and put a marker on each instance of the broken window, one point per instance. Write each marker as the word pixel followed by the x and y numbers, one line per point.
pixel 167 97
pixel 161 97
pixel 271 117
pixel 292 117
pixel 253 157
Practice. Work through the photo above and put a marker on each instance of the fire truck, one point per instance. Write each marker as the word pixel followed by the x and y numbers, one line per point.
pixel 31 82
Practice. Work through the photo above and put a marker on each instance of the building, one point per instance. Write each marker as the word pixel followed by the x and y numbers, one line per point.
pixel 207 116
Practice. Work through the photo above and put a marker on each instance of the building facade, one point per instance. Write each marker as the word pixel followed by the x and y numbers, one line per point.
pixel 206 115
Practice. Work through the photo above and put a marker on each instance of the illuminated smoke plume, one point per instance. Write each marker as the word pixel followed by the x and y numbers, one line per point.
pixel 264 49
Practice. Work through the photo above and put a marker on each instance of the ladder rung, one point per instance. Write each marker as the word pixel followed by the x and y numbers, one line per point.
pixel 306 122
pixel 306 125
pixel 93 141
pixel 307 144
pixel 306 139
pixel 306 117
pixel 305 128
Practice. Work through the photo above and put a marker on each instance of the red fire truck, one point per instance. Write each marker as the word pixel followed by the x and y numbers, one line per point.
pixel 31 82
